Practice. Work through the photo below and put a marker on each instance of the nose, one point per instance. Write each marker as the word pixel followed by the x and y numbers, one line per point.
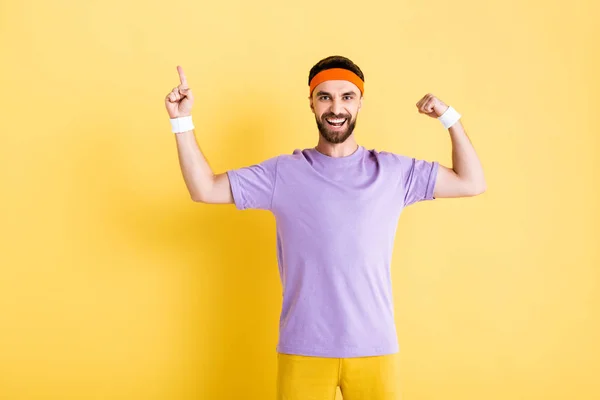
pixel 336 107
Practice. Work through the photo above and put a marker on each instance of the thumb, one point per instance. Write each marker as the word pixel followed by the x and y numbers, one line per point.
pixel 185 91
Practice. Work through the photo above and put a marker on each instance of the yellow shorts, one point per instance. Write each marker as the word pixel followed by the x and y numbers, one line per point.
pixel 317 378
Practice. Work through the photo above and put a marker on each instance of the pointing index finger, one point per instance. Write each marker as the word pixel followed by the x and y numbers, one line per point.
pixel 182 77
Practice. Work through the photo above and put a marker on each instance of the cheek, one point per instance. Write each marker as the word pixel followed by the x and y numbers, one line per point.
pixel 320 113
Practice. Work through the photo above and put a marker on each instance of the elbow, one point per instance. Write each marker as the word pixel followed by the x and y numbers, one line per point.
pixel 202 191
pixel 197 197
pixel 200 194
pixel 478 188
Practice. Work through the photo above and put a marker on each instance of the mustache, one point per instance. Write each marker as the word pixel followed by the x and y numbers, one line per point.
pixel 333 116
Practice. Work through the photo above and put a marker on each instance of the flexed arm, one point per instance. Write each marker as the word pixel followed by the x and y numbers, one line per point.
pixel 465 178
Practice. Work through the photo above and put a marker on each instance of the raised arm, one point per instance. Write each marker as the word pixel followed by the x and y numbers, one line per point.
pixel 202 184
pixel 465 178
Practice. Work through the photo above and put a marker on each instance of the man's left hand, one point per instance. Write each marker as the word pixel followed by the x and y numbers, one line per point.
pixel 431 106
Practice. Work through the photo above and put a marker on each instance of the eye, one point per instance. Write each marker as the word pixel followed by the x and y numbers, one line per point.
pixel 348 97
pixel 322 97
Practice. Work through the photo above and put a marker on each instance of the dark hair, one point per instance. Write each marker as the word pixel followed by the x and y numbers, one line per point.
pixel 334 62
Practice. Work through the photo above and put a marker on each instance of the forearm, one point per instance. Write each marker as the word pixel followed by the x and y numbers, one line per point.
pixel 197 174
pixel 465 161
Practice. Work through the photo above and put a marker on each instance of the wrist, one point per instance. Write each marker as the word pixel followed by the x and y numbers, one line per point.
pixel 449 117
pixel 181 124
pixel 180 115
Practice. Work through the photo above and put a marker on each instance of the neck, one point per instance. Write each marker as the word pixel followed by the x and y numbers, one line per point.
pixel 337 149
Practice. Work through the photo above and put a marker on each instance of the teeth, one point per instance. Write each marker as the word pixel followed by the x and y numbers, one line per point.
pixel 336 121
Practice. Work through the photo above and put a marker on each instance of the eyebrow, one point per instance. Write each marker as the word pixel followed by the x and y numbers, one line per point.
pixel 320 93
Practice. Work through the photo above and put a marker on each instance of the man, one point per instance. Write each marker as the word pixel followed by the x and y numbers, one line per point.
pixel 336 207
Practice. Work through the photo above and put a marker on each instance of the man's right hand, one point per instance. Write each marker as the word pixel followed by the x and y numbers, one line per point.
pixel 180 100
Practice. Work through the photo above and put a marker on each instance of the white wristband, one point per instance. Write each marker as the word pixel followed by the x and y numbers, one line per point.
pixel 182 124
pixel 449 117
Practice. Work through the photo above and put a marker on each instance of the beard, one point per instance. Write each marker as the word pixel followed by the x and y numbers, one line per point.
pixel 333 135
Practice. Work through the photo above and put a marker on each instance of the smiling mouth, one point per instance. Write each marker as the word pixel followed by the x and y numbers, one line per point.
pixel 336 122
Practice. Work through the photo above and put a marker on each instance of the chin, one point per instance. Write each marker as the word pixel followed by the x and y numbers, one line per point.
pixel 336 137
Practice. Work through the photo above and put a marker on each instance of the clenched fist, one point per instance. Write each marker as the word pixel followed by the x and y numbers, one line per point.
pixel 431 106
pixel 180 100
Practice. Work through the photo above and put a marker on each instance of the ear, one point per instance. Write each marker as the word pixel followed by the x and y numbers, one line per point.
pixel 310 103
pixel 360 102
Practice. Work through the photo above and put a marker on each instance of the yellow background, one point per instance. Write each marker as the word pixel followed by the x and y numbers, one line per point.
pixel 115 285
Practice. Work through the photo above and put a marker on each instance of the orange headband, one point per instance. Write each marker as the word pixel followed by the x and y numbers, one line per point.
pixel 334 74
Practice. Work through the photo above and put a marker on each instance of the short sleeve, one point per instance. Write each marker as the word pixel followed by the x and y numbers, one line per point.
pixel 417 177
pixel 254 186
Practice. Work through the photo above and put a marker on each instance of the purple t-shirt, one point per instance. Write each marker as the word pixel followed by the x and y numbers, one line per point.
pixel 336 221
